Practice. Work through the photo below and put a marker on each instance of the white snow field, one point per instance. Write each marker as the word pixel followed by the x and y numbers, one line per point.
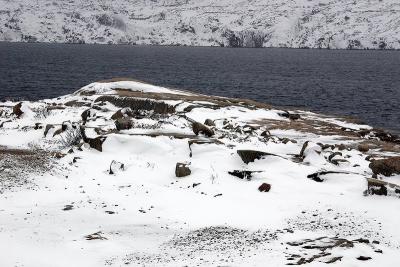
pixel 336 24
pixel 77 191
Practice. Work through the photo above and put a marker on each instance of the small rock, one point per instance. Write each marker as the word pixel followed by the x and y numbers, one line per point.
pixel 264 187
pixel 182 170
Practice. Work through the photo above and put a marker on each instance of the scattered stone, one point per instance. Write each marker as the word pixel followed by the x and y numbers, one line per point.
pixel 182 170
pixel 386 167
pixel 265 187
pixel 199 128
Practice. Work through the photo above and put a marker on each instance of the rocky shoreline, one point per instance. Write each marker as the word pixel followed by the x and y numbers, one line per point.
pixel 149 175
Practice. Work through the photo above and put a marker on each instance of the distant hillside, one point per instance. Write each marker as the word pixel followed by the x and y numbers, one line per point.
pixel 360 24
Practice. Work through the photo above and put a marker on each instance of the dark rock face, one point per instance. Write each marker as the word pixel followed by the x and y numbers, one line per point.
pixel 209 122
pixel 265 187
pixel 182 170
pixel 123 124
pixel 251 155
pixel 138 104
pixel 199 128
pixel 17 110
pixel 386 167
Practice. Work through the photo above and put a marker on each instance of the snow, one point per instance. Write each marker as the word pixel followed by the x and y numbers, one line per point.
pixel 149 217
pixel 335 24
pixel 135 86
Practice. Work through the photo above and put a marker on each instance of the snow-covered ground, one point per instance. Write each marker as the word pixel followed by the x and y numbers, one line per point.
pixel 278 23
pixel 125 205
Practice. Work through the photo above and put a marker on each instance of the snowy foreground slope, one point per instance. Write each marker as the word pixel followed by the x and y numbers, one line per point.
pixel 269 23
pixel 90 179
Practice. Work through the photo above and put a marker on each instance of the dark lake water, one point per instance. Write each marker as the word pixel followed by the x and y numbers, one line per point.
pixel 363 84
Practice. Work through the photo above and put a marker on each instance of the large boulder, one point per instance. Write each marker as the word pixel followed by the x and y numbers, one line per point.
pixel 182 170
pixel 386 167
pixel 199 128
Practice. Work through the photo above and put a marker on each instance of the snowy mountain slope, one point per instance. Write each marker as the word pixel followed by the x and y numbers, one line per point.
pixel 256 193
pixel 277 23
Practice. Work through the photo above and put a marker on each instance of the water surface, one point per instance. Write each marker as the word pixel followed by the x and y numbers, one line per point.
pixel 363 84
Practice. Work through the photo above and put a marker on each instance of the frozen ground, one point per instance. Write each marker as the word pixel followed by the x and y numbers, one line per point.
pixel 113 198
pixel 373 24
